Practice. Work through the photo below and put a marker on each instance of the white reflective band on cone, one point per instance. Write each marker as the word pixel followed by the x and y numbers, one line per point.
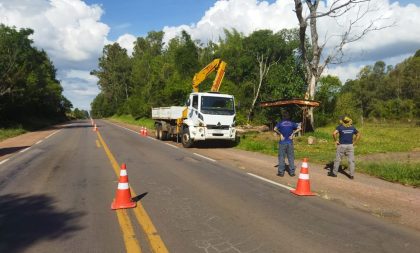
pixel 122 186
pixel 304 176
pixel 123 173
pixel 304 165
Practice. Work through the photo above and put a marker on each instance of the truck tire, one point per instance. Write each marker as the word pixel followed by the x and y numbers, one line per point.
pixel 159 132
pixel 186 140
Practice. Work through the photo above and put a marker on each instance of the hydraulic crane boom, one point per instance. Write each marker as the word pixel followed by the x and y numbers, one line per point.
pixel 199 77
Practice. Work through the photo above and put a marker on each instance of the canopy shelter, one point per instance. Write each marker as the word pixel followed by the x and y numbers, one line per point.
pixel 303 104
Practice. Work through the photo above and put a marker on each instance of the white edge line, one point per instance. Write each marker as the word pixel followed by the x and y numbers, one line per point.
pixel 24 150
pixel 149 137
pixel 170 145
pixel 38 142
pixel 271 182
pixel 124 128
pixel 205 157
pixel 5 160
pixel 52 134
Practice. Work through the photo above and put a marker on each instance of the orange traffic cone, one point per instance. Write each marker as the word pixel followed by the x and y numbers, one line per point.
pixel 95 128
pixel 303 187
pixel 145 131
pixel 141 131
pixel 123 194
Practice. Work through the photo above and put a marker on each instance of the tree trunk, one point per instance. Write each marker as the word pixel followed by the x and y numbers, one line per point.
pixel 309 120
pixel 263 67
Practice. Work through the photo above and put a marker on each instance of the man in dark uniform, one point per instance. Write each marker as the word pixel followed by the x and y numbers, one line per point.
pixel 286 129
pixel 345 142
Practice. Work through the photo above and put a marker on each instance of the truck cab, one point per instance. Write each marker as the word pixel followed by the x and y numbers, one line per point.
pixel 210 115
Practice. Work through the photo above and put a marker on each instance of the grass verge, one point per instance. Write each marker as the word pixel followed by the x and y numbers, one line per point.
pixel 376 138
pixel 404 173
pixel 10 132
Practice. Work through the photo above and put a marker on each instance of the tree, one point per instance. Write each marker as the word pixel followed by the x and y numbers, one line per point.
pixel 28 84
pixel 383 92
pixel 114 73
pixel 312 55
pixel 187 56
pixel 327 93
pixel 15 48
pixel 267 50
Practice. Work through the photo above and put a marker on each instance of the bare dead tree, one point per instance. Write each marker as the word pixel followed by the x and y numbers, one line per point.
pixel 264 67
pixel 314 60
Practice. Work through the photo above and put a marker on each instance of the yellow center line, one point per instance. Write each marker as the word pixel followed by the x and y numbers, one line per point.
pixel 140 213
pixel 130 241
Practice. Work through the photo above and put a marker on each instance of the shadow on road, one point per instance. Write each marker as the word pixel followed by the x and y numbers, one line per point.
pixel 139 197
pixel 212 144
pixel 27 219
pixel 10 150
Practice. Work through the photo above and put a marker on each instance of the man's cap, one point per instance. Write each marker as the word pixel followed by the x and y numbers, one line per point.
pixel 346 119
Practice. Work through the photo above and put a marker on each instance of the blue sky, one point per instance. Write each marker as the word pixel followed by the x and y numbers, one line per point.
pixel 74 32
pixel 140 17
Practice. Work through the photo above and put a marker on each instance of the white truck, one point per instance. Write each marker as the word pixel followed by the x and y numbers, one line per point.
pixel 206 115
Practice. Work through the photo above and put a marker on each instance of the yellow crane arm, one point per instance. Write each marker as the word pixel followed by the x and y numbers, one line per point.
pixel 202 74
pixel 219 77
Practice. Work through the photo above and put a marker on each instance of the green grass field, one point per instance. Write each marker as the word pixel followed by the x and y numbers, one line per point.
pixel 375 138
pixel 10 132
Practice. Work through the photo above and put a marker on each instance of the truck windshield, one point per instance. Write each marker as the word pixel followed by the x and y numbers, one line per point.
pixel 217 105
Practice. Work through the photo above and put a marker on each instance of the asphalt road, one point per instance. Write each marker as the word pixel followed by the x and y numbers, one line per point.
pixel 56 197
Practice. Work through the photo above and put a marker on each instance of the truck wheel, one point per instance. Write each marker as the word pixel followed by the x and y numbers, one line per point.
pixel 159 132
pixel 186 140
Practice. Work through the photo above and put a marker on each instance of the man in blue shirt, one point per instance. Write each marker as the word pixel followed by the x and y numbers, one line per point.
pixel 286 129
pixel 346 132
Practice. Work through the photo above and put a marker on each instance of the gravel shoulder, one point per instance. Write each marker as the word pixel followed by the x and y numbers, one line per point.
pixel 389 201
pixel 11 146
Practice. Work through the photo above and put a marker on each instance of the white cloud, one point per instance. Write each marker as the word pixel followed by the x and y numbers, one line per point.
pixel 247 16
pixel 344 72
pixel 70 32
pixel 127 41
pixel 79 87
pixel 73 35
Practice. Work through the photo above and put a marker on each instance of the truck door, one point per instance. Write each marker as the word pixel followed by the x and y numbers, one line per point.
pixel 193 112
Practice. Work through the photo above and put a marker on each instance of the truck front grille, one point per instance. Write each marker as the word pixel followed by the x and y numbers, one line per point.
pixel 222 127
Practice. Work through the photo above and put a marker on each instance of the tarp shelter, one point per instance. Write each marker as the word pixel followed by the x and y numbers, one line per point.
pixel 303 104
